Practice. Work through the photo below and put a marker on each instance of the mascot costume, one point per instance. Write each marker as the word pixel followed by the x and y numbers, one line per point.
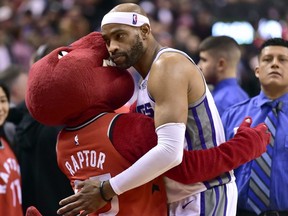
pixel 74 86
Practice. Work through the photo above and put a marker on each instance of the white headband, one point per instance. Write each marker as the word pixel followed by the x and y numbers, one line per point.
pixel 127 18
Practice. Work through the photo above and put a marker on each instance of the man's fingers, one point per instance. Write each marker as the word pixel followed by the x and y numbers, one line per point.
pixel 84 202
pixel 68 200
pixel 72 212
pixel 71 209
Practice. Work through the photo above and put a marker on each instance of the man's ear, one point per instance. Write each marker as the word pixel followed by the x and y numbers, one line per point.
pixel 145 30
pixel 256 70
pixel 221 64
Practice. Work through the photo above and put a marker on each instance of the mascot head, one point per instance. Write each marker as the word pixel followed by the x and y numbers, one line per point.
pixel 72 84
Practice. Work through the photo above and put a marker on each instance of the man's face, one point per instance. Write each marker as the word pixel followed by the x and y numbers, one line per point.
pixel 208 65
pixel 4 106
pixel 273 68
pixel 123 43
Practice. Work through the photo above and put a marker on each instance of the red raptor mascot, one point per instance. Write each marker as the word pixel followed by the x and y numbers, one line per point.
pixel 73 86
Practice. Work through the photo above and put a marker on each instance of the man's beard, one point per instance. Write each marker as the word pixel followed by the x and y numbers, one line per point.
pixel 134 54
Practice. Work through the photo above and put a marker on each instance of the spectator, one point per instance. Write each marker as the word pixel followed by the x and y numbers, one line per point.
pixel 219 58
pixel 10 181
pixel 271 198
pixel 15 77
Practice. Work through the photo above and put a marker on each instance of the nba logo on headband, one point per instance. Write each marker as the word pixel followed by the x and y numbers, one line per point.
pixel 134 19
pixel 125 18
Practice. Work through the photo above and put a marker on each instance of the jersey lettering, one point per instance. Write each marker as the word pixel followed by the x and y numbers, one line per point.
pixel 11 165
pixel 16 192
pixel 146 109
pixel 84 159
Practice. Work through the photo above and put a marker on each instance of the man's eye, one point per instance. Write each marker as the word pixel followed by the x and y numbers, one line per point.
pixel 107 42
pixel 120 36
pixel 283 59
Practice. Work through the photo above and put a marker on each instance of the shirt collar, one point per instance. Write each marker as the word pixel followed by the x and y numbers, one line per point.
pixel 263 99
pixel 228 81
pixel 224 83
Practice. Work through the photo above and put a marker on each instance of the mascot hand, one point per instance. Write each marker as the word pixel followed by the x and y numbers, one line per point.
pixel 259 133
pixel 32 211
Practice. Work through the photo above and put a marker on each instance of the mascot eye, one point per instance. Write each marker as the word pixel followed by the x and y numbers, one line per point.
pixel 62 54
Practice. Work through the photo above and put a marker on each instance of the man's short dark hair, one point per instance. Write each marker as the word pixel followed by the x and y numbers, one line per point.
pixel 274 42
pixel 218 43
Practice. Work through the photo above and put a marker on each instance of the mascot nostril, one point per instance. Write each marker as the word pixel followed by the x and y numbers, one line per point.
pixel 70 84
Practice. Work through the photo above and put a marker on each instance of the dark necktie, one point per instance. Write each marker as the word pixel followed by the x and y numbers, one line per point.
pixel 259 185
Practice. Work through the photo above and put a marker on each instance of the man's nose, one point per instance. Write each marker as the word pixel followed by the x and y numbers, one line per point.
pixel 275 62
pixel 113 46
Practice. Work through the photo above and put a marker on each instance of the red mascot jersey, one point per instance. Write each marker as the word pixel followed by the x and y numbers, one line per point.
pixel 10 182
pixel 86 152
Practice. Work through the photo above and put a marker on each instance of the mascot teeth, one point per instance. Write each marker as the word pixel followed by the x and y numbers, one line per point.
pixel 108 62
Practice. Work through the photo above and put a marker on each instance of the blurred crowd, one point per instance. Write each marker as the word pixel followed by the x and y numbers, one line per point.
pixel 29 29
pixel 25 25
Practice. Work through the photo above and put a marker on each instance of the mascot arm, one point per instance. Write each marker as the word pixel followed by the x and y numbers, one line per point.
pixel 200 165
pixel 134 135
pixel 155 162
pixel 247 144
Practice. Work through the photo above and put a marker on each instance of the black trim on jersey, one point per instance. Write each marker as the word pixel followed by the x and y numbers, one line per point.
pixel 111 127
pixel 3 136
pixel 86 123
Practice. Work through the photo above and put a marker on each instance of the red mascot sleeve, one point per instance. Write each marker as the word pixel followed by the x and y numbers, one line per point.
pixel 196 165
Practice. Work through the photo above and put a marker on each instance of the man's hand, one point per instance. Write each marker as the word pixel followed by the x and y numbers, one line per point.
pixel 86 201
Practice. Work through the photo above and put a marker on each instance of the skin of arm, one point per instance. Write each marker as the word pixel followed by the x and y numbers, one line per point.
pixel 170 80
pixel 170 85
